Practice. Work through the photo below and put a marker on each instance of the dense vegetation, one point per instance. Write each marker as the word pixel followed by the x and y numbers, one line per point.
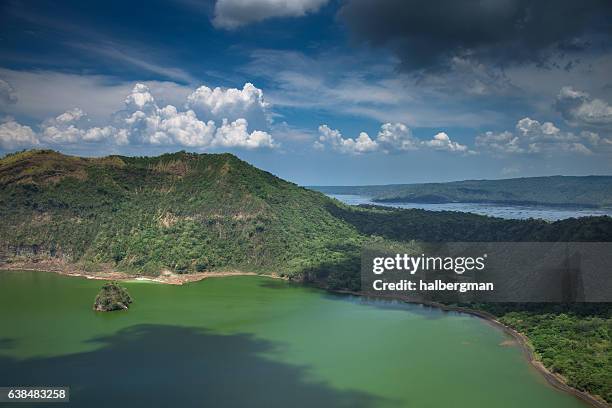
pixel 448 226
pixel 572 340
pixel 588 191
pixel 111 297
pixel 187 212
pixel 182 212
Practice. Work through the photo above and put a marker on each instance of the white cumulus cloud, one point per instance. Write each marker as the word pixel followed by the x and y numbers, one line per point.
pixel 14 135
pixel 230 103
pixel 531 136
pixel 332 137
pixel 143 122
pixel 72 127
pixel 235 134
pixel 441 141
pixel 392 137
pixel 397 136
pixel 140 99
pixel 231 14
pixel 147 123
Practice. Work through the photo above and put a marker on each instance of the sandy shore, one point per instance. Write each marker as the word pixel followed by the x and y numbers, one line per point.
pixel 168 277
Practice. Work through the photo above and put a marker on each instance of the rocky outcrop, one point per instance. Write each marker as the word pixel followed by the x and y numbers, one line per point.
pixel 112 297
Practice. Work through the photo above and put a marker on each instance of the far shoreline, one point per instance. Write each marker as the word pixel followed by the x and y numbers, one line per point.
pixel 555 380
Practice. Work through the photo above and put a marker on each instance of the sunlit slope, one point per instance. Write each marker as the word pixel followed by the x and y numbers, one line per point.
pixel 185 212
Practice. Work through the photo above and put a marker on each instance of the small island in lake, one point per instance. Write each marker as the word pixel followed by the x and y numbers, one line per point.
pixel 112 297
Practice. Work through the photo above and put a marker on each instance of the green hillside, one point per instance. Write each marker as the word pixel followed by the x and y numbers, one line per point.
pixel 588 191
pixel 184 212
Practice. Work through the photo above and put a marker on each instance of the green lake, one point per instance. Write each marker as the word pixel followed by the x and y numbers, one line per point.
pixel 255 342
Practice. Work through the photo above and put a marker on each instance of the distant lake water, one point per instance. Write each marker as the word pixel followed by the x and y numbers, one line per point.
pixel 519 212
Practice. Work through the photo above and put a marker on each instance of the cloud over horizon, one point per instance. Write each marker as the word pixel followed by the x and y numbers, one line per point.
pixel 143 122
pixel 14 135
pixel 580 109
pixel 392 138
pixel 532 137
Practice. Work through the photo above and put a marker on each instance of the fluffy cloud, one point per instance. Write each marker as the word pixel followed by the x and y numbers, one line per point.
pixel 140 99
pixel 392 137
pixel 531 136
pixel 397 136
pixel 147 123
pixel 13 135
pixel 63 128
pixel 168 126
pixel 143 122
pixel 231 104
pixel 332 137
pixel 72 127
pixel 579 109
pixel 235 134
pixel 441 141
pixel 72 134
pixel 70 116
pixel 230 14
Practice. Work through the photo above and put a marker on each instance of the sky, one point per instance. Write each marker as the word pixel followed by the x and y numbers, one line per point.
pixel 318 92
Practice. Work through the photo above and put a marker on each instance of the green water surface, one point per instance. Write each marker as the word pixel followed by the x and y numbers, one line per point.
pixel 255 342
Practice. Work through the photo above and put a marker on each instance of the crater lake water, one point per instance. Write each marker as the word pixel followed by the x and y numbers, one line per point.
pixel 519 212
pixel 255 342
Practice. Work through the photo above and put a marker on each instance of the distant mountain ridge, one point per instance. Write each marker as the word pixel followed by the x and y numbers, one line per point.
pixel 576 191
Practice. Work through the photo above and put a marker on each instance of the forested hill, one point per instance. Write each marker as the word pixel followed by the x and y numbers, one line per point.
pixel 587 191
pixel 183 212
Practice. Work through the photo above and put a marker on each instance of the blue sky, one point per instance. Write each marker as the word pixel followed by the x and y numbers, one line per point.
pixel 317 91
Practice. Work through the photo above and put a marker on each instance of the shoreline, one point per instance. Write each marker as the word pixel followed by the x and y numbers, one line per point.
pixel 166 277
pixel 555 380
pixel 532 204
